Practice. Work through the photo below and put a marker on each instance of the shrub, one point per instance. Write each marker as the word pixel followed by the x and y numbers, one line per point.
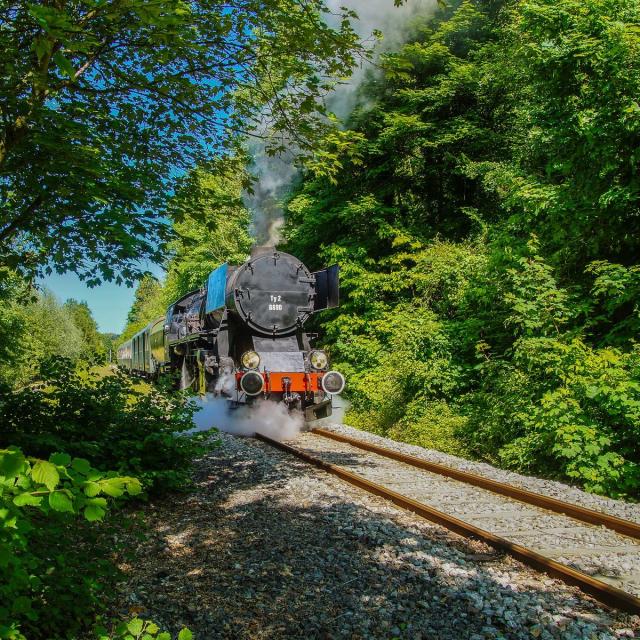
pixel 138 629
pixel 434 425
pixel 554 404
pixel 49 582
pixel 112 421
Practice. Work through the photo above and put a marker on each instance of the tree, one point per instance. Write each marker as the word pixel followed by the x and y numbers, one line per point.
pixel 148 305
pixel 93 343
pixel 211 224
pixel 488 240
pixel 103 102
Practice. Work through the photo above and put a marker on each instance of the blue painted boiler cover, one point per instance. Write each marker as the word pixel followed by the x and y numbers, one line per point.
pixel 216 287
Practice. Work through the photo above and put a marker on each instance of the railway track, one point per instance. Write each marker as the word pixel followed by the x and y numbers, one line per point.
pixel 597 552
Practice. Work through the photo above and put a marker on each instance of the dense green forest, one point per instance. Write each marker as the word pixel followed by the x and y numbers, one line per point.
pixel 489 235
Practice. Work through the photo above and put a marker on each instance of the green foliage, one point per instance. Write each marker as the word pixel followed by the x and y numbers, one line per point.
pixel 431 424
pixel 557 404
pixel 148 305
pixel 104 104
pixel 13 326
pixel 138 629
pixel 39 499
pixel 34 327
pixel 211 224
pixel 487 229
pixel 93 344
pixel 109 421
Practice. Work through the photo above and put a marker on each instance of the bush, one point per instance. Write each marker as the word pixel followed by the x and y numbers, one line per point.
pixel 50 570
pixel 487 236
pixel 563 408
pixel 113 421
pixel 554 404
pixel 434 425
pixel 73 426
pixel 138 629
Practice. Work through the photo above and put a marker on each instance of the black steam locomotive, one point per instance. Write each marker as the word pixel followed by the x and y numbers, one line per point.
pixel 242 335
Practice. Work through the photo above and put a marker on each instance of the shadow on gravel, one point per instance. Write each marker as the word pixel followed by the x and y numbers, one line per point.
pixel 341 458
pixel 252 555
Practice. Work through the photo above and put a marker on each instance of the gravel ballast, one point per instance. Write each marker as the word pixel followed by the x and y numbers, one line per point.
pixel 552 488
pixel 600 552
pixel 269 547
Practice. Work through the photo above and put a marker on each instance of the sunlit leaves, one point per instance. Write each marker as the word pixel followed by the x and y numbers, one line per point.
pixel 30 490
pixel 61 480
pixel 106 104
pixel 488 240
pixel 45 473
pixel 139 629
pixel 60 501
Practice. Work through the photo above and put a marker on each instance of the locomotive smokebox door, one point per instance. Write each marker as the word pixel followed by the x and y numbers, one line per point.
pixel 273 293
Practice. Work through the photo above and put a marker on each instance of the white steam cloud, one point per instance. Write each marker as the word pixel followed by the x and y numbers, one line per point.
pixel 274 175
pixel 267 417
pixel 374 15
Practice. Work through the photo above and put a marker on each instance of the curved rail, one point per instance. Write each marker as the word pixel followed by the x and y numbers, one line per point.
pixel 625 527
pixel 605 593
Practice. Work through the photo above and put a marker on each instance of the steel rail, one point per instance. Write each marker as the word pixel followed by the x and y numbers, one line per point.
pixel 625 527
pixel 601 591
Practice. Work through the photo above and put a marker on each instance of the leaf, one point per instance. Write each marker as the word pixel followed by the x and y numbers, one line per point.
pixel 60 501
pixel 45 473
pixel 164 636
pixel 134 487
pixel 91 489
pixel 185 634
pixel 26 499
pixel 93 512
pixel 153 628
pixel 11 462
pixel 61 459
pixel 64 64
pixel 81 466
pixel 135 626
pixel 113 487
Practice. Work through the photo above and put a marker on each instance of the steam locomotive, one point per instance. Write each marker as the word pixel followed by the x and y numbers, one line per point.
pixel 241 335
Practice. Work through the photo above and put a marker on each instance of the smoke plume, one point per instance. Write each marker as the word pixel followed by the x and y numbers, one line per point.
pixel 269 418
pixel 275 175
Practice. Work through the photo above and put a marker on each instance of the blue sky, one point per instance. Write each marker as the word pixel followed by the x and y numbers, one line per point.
pixel 109 303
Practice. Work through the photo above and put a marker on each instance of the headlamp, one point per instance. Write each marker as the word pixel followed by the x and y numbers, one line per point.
pixel 332 382
pixel 252 383
pixel 319 360
pixel 250 360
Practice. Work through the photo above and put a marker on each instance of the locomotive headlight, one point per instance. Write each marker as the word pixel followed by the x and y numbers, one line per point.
pixel 332 382
pixel 250 360
pixel 252 383
pixel 319 360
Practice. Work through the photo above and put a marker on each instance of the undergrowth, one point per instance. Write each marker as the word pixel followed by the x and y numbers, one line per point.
pixel 74 448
